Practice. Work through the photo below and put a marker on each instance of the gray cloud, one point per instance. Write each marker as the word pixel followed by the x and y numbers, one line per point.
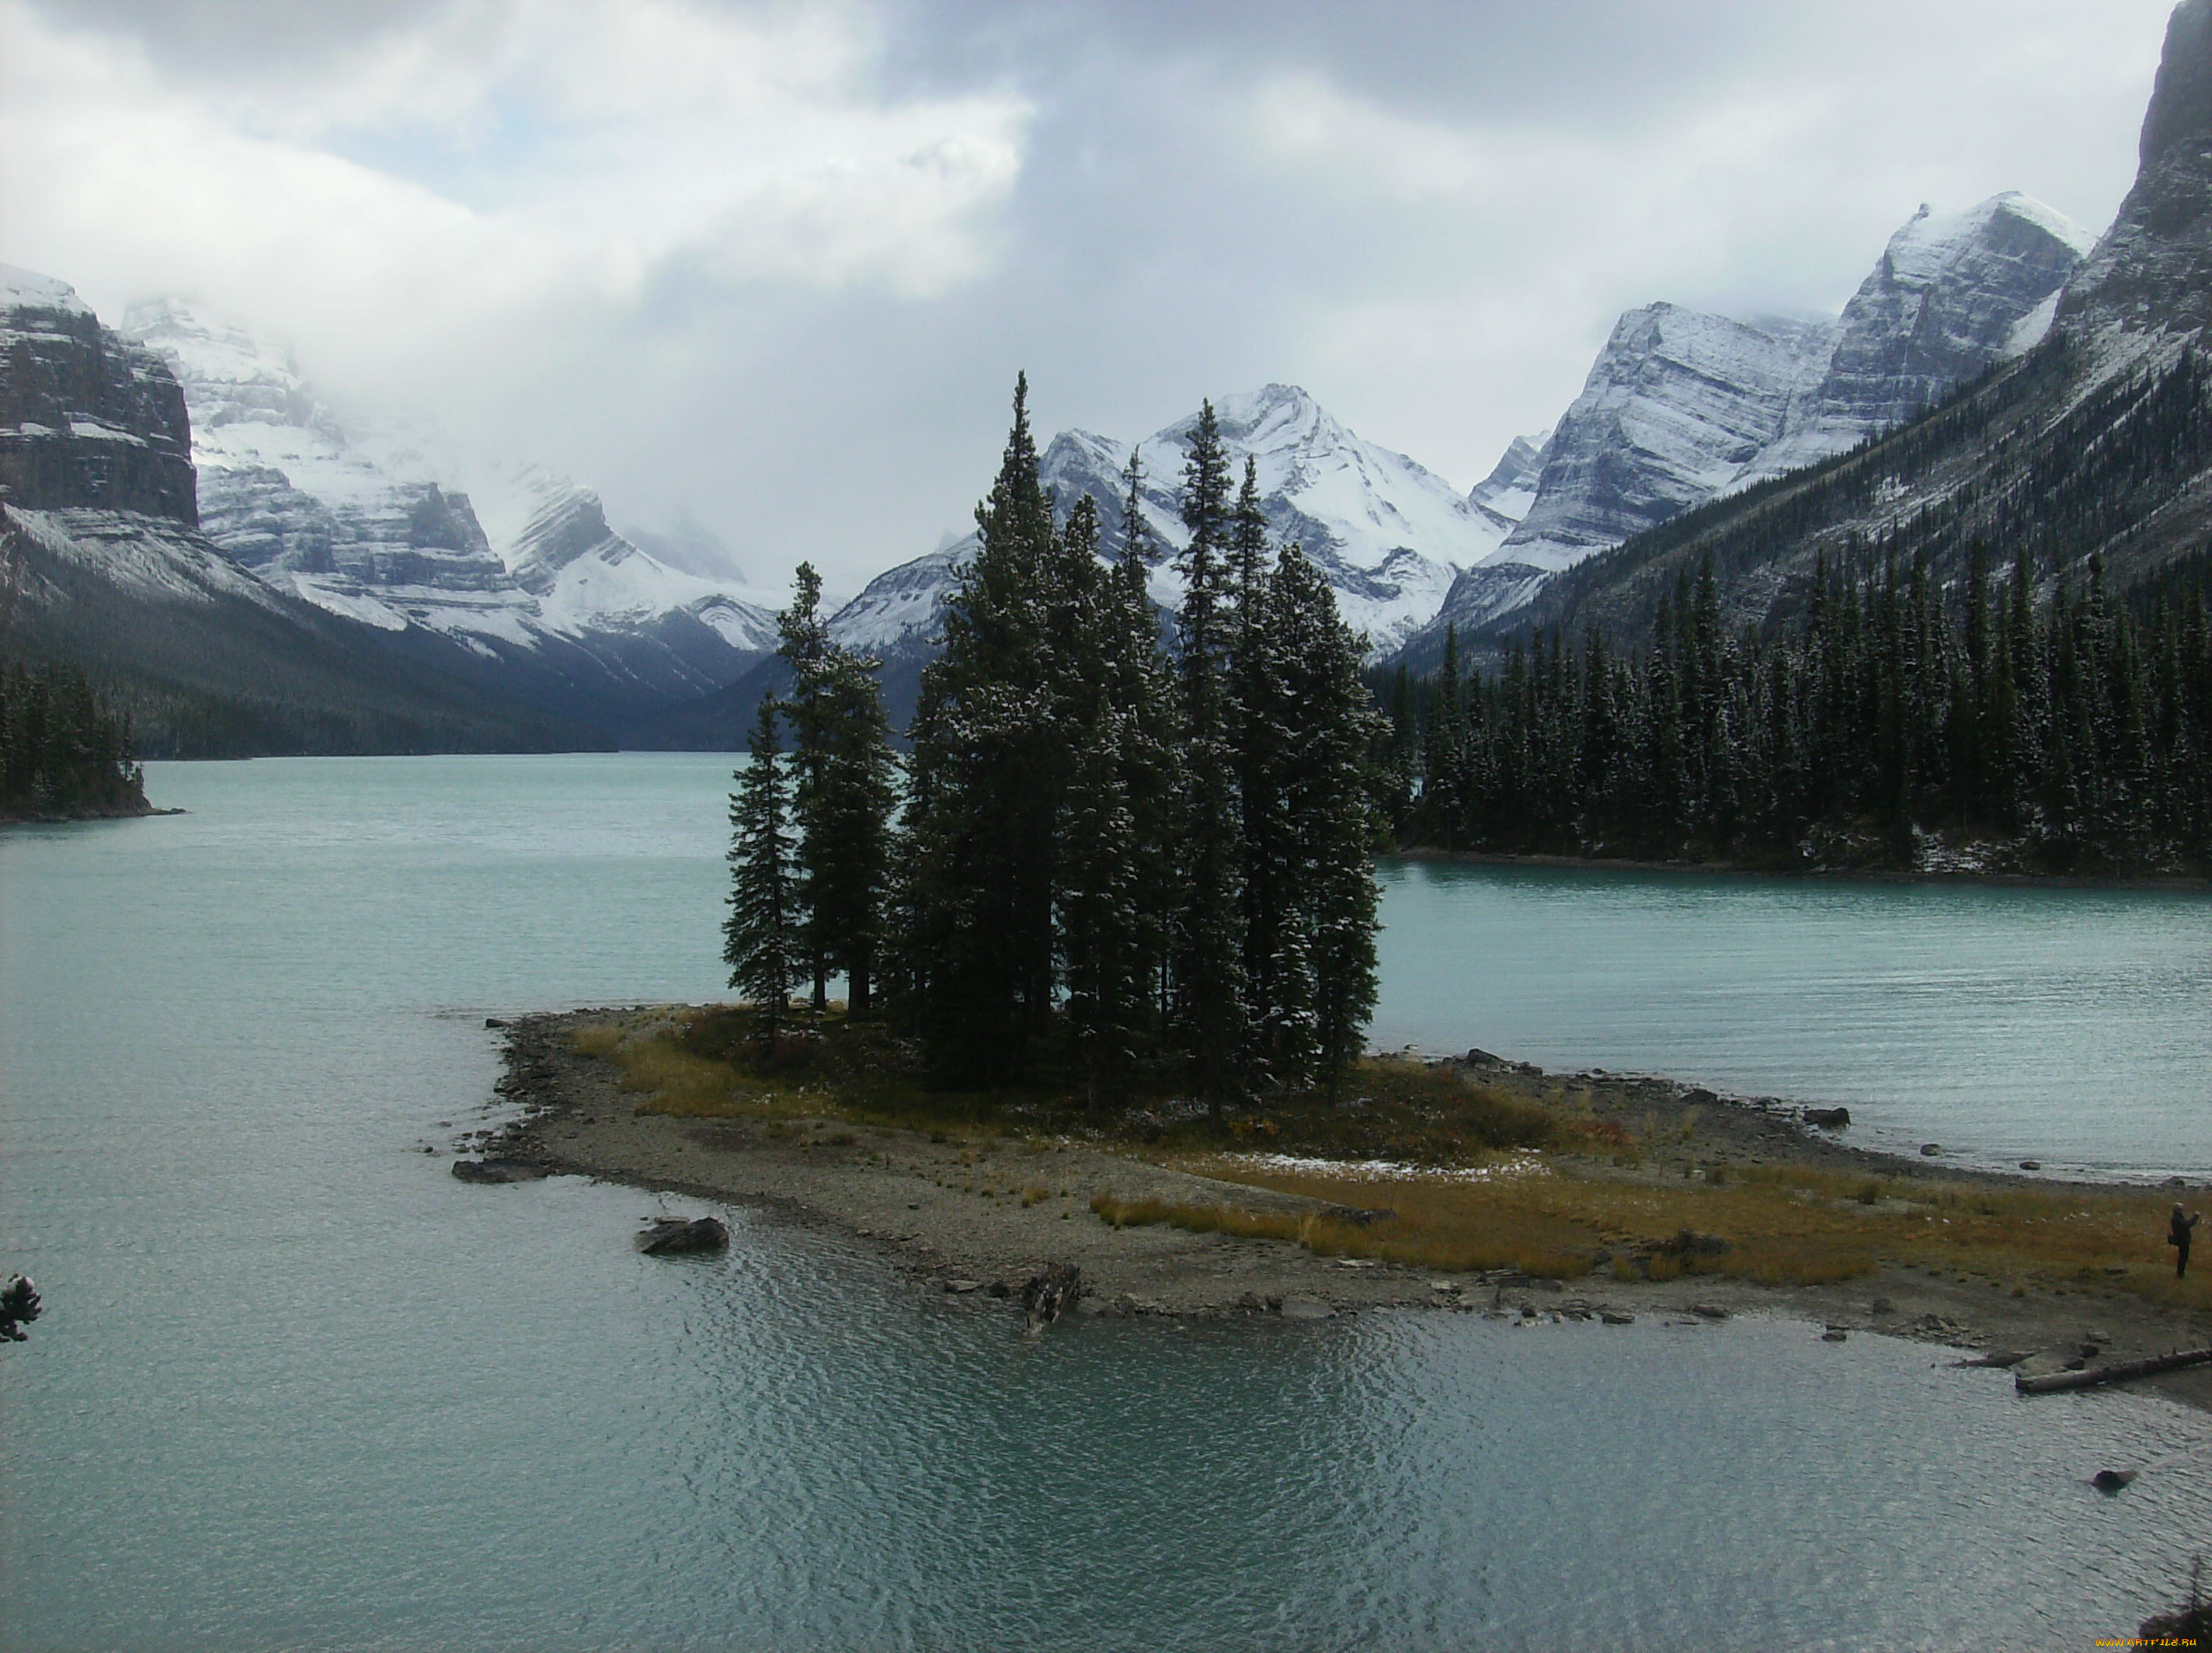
pixel 1428 214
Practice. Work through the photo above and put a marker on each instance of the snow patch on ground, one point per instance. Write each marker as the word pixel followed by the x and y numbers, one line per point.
pixel 1392 1170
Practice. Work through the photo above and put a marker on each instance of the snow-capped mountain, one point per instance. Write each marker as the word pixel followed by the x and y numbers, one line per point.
pixel 87 420
pixel 1508 492
pixel 2092 448
pixel 103 565
pixel 288 490
pixel 1390 534
pixel 584 576
pixel 1682 406
pixel 1950 297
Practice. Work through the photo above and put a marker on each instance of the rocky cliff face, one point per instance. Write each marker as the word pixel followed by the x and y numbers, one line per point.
pixel 284 491
pixel 2152 273
pixel 1950 297
pixel 87 419
pixel 1677 406
pixel 1506 493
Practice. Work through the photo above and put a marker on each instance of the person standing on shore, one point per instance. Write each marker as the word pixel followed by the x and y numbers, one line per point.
pixel 2177 1228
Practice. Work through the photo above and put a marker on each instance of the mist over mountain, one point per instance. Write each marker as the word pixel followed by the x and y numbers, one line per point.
pixel 103 565
pixel 567 615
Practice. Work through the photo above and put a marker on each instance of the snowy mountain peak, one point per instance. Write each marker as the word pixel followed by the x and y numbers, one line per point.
pixel 1506 494
pixel 26 290
pixel 585 574
pixel 1390 534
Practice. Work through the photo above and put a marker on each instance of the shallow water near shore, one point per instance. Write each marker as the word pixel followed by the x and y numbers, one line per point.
pixel 2000 1021
pixel 298 1388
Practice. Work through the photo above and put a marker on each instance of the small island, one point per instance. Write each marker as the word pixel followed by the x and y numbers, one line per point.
pixel 1471 1185
pixel 64 750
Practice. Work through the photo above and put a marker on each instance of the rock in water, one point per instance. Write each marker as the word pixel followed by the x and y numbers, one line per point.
pixel 19 1306
pixel 495 1170
pixel 2111 1481
pixel 669 1236
pixel 1829 1119
pixel 1050 1295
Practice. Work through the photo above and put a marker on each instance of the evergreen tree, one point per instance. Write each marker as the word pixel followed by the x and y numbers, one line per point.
pixel 1327 980
pixel 1209 954
pixel 1101 898
pixel 843 796
pixel 988 769
pixel 763 938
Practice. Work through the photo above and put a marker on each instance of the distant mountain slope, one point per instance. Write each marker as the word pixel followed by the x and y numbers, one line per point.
pixel 573 618
pixel 2098 442
pixel 1389 533
pixel 102 564
pixel 1682 406
pixel 210 662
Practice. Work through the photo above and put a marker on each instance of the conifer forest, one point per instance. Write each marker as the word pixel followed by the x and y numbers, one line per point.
pixel 63 752
pixel 1110 850
pixel 1890 723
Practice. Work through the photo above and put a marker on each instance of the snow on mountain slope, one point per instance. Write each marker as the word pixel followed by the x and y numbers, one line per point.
pixel 297 495
pixel 586 576
pixel 1950 297
pixel 1390 534
pixel 1682 406
pixel 1508 492
pixel 1678 402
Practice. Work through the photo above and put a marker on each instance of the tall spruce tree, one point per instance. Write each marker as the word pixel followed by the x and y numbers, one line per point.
pixel 1101 898
pixel 844 794
pixel 988 768
pixel 1332 804
pixel 1209 971
pixel 1278 986
pixel 763 937
pixel 1152 752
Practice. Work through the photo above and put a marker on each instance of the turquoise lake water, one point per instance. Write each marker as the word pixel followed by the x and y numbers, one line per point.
pixel 297 1388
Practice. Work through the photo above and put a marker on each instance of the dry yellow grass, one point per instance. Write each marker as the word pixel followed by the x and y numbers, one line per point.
pixel 1572 1212
pixel 1783 1225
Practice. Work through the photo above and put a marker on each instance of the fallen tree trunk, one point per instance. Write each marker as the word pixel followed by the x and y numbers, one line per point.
pixel 2118 1372
pixel 1050 1295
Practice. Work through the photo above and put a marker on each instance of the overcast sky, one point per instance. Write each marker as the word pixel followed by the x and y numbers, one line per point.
pixel 775 265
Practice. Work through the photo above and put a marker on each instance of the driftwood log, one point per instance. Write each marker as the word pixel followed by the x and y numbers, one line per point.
pixel 670 1236
pixel 1050 1295
pixel 2120 1372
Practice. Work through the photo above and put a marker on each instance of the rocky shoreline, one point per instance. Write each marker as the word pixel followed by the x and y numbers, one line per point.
pixel 988 1213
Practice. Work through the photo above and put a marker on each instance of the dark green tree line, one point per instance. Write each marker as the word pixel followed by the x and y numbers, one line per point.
pixel 63 752
pixel 1890 718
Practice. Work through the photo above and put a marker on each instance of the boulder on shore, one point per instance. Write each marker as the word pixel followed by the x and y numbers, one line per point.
pixel 496 1171
pixel 669 1236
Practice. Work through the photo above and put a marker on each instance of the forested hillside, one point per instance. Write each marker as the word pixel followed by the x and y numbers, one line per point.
pixel 1889 723
pixel 64 754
